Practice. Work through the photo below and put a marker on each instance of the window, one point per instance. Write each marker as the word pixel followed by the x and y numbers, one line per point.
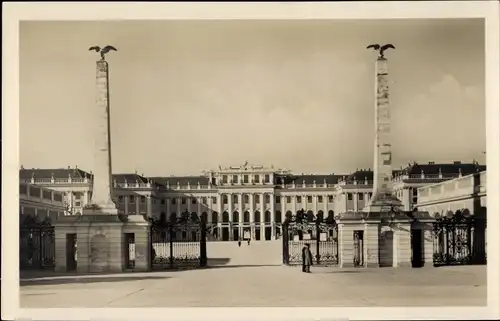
pixel 224 199
pixel 360 196
pixel 173 201
pixel 120 199
pixel 204 200
pixel 330 198
pixel 267 198
pixel 235 199
pixel 278 199
pixel 235 178
pixel 143 199
pixel 183 200
pixel 278 217
pixel 349 196
pixel 257 199
pixel 320 199
pixel 246 199
pixel 309 199
pixel 414 192
pixel 224 179
pixel 214 200
pixel 162 201
pixel 193 200
pixel 78 204
pixel 266 178
pixel 245 178
pixel 256 178
pixel 78 196
pixel 370 195
pixel 288 199
pixel 131 199
pixel 299 199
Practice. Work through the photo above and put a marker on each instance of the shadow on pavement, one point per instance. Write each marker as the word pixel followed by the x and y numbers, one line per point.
pixel 87 279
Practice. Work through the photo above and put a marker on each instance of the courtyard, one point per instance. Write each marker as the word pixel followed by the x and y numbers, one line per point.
pixel 261 286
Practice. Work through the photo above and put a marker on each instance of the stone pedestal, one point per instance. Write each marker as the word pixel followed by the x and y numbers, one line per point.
pixel 137 225
pixel 99 243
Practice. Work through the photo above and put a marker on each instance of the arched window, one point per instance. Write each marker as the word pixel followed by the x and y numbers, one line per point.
pixel 278 217
pixel 163 217
pixel 236 216
pixel 331 215
pixel 257 217
pixel 267 217
pixel 246 217
pixel 215 217
pixel 225 217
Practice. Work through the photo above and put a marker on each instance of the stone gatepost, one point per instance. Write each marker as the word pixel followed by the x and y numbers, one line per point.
pixel 395 239
pixel 140 229
pixel 422 228
pixel 358 239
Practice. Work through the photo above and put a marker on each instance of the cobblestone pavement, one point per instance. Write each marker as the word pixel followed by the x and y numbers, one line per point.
pixel 263 286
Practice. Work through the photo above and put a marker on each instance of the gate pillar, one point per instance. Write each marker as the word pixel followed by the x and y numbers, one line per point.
pixel 423 223
pixel 358 236
pixel 137 225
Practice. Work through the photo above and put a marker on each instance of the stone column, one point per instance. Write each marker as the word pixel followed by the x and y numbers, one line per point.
pixel 273 216
pixel 262 215
pixel 125 202
pixel 178 202
pixel 138 205
pixel 240 217
pixel 149 206
pixel 252 216
pixel 283 208
pixel 219 216
pixel 230 211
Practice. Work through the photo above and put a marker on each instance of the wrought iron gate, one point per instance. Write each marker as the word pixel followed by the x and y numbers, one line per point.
pixel 179 242
pixel 454 237
pixel 319 232
pixel 36 243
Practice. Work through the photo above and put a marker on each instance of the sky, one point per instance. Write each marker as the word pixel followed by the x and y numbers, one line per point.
pixel 187 96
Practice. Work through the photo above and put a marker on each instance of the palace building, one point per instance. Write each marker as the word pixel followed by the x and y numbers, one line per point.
pixel 241 202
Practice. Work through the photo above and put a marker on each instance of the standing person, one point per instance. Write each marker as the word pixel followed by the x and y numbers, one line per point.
pixel 248 241
pixel 306 259
pixel 239 243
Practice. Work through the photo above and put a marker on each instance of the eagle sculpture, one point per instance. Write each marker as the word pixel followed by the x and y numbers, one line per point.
pixel 102 51
pixel 381 49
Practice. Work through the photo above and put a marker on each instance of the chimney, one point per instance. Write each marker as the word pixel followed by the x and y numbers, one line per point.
pixel 22 167
pixel 431 163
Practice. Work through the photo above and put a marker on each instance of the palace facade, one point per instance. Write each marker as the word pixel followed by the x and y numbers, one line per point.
pixel 244 201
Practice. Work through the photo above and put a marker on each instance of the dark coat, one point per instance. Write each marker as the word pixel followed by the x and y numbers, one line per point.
pixel 306 256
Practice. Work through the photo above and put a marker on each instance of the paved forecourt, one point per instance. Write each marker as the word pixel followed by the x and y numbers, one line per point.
pixel 265 286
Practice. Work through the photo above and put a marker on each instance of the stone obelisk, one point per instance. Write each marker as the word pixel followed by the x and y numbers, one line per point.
pixel 382 198
pixel 102 201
